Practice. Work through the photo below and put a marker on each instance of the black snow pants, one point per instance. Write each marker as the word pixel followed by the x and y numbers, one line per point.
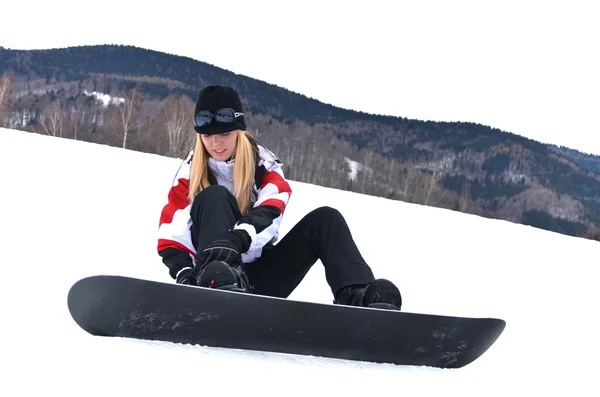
pixel 322 234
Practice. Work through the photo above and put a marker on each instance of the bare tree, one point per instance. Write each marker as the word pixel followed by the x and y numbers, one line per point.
pixel 318 169
pixel 464 202
pixel 5 91
pixel 177 121
pixel 76 116
pixel 51 119
pixel 127 111
pixel 366 169
pixel 407 183
pixel 390 173
pixel 78 111
pixel 430 189
pixel 149 129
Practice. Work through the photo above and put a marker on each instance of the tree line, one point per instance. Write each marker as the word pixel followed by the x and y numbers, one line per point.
pixel 496 183
pixel 131 120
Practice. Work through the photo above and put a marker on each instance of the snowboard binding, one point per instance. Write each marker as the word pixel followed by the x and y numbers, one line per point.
pixel 223 276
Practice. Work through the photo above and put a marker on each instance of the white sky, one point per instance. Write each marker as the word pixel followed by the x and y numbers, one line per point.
pixel 527 67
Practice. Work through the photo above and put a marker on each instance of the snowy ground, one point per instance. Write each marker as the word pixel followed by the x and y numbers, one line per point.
pixel 72 209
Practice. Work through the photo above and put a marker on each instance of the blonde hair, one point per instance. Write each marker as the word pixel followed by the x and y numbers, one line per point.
pixel 243 170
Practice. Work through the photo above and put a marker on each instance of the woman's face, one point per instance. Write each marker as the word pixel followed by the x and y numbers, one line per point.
pixel 220 146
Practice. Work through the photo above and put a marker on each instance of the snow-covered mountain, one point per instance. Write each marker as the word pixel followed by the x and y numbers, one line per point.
pixel 72 209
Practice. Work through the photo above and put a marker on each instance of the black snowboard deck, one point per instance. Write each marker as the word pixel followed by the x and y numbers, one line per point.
pixel 118 306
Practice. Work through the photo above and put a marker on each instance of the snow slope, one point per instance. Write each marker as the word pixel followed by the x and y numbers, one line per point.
pixel 72 209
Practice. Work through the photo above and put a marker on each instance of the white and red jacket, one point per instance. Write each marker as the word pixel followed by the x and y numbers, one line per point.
pixel 270 196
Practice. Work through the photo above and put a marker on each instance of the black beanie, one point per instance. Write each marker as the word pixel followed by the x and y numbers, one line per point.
pixel 213 98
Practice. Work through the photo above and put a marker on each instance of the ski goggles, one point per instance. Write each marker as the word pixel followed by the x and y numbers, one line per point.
pixel 222 116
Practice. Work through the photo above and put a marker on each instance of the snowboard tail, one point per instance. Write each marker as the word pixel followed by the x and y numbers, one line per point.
pixel 117 306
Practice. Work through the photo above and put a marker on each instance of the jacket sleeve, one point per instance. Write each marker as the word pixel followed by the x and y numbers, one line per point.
pixel 174 235
pixel 263 220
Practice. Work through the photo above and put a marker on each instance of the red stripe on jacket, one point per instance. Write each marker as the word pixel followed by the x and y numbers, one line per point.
pixel 165 243
pixel 274 178
pixel 275 203
pixel 178 200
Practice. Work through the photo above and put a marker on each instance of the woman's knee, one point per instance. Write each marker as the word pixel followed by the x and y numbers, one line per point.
pixel 213 192
pixel 327 213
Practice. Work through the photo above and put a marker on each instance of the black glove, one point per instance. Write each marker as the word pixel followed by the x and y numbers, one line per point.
pixel 176 260
pixel 184 276
pixel 227 248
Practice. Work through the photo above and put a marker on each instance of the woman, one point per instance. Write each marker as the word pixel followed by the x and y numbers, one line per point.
pixel 220 225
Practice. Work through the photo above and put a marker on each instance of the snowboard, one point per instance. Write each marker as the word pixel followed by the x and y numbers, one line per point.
pixel 119 306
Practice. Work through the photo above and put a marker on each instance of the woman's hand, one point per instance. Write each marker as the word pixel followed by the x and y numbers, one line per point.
pixel 227 248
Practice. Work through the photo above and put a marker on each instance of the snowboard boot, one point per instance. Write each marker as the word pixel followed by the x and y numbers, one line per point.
pixel 221 275
pixel 379 294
